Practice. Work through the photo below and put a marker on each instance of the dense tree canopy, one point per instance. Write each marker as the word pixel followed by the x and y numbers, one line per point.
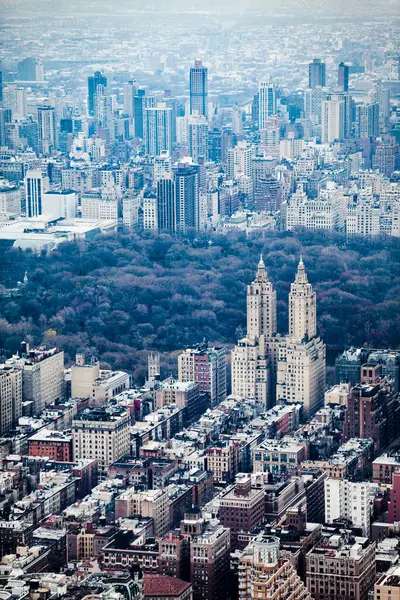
pixel 121 295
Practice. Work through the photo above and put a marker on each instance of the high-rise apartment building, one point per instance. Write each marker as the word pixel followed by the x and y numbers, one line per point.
pixel 261 305
pixel 129 95
pixel 349 500
pixel 47 129
pixel 372 408
pixel 333 119
pixel 301 359
pixel 138 112
pixel 343 77
pixel 197 129
pixel 166 206
pixel 101 433
pixel 5 120
pixel 266 103
pixel 313 99
pixel 150 211
pixel 157 129
pixel 10 399
pixel 198 89
pixel 250 364
pixel 94 82
pixel 207 367
pixel 263 575
pixel 295 363
pixel 42 375
pixel 302 307
pixel 341 566
pixel 187 197
pixel 242 508
pixel 30 69
pixel 162 166
pixel 239 161
pixel 316 73
pixel 209 563
pixel 367 120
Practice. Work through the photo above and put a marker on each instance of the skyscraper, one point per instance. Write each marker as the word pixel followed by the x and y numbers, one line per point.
pixel 166 205
pixel 266 364
pixel 266 103
pixel 333 119
pixel 367 120
pixel 197 134
pixel 251 373
pixel 343 77
pixel 198 88
pixel 301 357
pixel 187 190
pixel 138 108
pixel 93 82
pixel 316 74
pixel 5 118
pixel 157 134
pixel 47 129
pixel 10 399
pixel 129 95
pixel 261 305
pixel 35 186
pixel 302 307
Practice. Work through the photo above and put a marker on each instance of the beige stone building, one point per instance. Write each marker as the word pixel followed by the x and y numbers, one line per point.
pixel 269 368
pixel 103 434
pixel 388 585
pixel 264 576
pixel 149 503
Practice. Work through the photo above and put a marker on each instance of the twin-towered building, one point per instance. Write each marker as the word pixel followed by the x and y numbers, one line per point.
pixel 270 368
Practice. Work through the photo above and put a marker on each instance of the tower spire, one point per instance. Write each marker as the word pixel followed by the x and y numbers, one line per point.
pixel 301 276
pixel 261 274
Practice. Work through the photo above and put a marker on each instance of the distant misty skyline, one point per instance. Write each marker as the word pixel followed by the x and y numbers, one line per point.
pixel 307 10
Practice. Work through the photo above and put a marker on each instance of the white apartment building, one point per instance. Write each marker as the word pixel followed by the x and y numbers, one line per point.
pixel 363 217
pixel 10 199
pixel 239 160
pixel 103 434
pixel 325 212
pixel 130 212
pixel 42 376
pixel 59 205
pixel 150 213
pixel 347 499
pixel 333 119
pixel 94 207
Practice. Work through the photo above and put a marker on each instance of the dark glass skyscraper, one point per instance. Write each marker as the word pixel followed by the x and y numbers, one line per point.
pixel 187 194
pixel 94 81
pixel 198 88
pixel 316 74
pixel 343 77
pixel 138 108
pixel 166 205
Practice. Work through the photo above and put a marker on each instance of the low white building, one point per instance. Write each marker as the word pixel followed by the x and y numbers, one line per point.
pixel 350 500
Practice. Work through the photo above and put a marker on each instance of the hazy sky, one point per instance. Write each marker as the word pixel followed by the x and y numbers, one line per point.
pixel 306 9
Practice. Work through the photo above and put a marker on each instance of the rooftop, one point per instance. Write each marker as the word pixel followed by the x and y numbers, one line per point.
pixel 164 586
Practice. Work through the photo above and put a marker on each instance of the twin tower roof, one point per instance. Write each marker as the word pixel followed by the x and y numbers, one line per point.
pixel 262 275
